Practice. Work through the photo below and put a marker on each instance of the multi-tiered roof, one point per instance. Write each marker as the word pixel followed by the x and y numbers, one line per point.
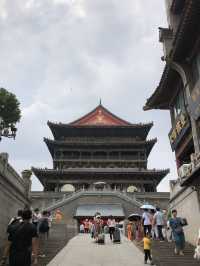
pixel 100 147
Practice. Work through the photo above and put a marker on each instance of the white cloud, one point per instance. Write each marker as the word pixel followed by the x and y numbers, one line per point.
pixel 61 56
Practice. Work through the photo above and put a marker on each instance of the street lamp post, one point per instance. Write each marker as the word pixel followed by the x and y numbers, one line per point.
pixel 8 131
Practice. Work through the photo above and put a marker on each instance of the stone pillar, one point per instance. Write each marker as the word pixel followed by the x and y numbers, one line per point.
pixel 56 188
pixel 125 187
pixel 76 187
pixel 26 175
pixel 107 187
pixel 142 188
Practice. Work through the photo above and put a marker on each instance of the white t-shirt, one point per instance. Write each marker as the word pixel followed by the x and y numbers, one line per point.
pixel 111 223
pixel 81 227
pixel 159 218
pixel 36 217
pixel 146 218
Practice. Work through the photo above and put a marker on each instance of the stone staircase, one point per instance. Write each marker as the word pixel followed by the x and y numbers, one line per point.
pixel 163 255
pixel 59 235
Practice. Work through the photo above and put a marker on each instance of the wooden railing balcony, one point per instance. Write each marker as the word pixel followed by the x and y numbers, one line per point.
pixel 99 160
pixel 102 140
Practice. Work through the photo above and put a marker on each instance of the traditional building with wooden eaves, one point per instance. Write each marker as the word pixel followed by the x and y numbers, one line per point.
pixel 99 160
pixel 179 92
pixel 100 147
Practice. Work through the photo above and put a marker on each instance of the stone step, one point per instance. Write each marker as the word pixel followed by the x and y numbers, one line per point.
pixel 163 255
pixel 59 235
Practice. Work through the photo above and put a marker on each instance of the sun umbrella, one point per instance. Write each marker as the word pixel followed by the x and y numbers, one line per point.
pixel 148 207
pixel 134 217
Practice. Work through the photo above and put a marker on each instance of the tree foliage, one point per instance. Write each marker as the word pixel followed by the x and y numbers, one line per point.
pixel 9 107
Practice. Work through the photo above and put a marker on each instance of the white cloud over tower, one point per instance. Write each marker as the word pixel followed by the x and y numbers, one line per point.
pixel 61 56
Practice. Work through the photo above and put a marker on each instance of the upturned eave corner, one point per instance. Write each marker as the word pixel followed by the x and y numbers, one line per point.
pixel 149 105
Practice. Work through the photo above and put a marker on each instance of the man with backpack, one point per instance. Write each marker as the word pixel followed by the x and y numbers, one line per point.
pixel 22 242
pixel 43 230
pixel 16 219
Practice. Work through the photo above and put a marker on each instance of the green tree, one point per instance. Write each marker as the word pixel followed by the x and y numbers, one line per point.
pixel 9 108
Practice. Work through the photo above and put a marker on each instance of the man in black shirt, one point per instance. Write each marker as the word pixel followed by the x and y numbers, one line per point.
pixel 22 241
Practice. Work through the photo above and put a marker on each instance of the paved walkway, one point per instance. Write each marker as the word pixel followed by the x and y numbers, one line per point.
pixel 82 251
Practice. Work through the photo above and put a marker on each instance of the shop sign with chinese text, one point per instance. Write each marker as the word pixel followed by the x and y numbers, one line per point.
pixel 178 131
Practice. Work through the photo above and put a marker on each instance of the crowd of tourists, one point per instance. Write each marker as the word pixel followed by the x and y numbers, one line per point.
pixel 27 236
pixel 98 227
pixel 155 224
pixel 28 233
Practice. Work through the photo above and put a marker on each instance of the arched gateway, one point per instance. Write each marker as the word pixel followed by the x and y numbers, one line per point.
pixel 97 154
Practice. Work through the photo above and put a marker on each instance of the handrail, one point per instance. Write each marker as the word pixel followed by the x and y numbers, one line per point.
pixel 80 192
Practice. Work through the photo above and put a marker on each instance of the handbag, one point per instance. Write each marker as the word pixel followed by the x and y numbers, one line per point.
pixel 184 222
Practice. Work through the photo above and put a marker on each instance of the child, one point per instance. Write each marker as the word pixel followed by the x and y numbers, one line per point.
pixel 147 248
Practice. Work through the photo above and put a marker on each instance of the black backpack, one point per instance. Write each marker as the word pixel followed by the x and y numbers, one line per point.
pixel 44 226
pixel 14 222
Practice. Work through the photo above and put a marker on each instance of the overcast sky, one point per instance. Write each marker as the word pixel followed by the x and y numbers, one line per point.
pixel 61 56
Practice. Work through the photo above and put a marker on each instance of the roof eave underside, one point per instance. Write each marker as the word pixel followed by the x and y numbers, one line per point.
pixel 161 98
pixel 177 6
pixel 182 48
pixel 51 144
pixel 42 174
pixel 66 130
pixel 188 31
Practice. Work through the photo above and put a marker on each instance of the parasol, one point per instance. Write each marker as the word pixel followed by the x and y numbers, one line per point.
pixel 134 217
pixel 147 207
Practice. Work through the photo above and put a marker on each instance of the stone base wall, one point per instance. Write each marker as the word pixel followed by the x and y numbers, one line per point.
pixel 70 208
pixel 45 199
pixel 12 196
pixel 41 199
pixel 186 201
